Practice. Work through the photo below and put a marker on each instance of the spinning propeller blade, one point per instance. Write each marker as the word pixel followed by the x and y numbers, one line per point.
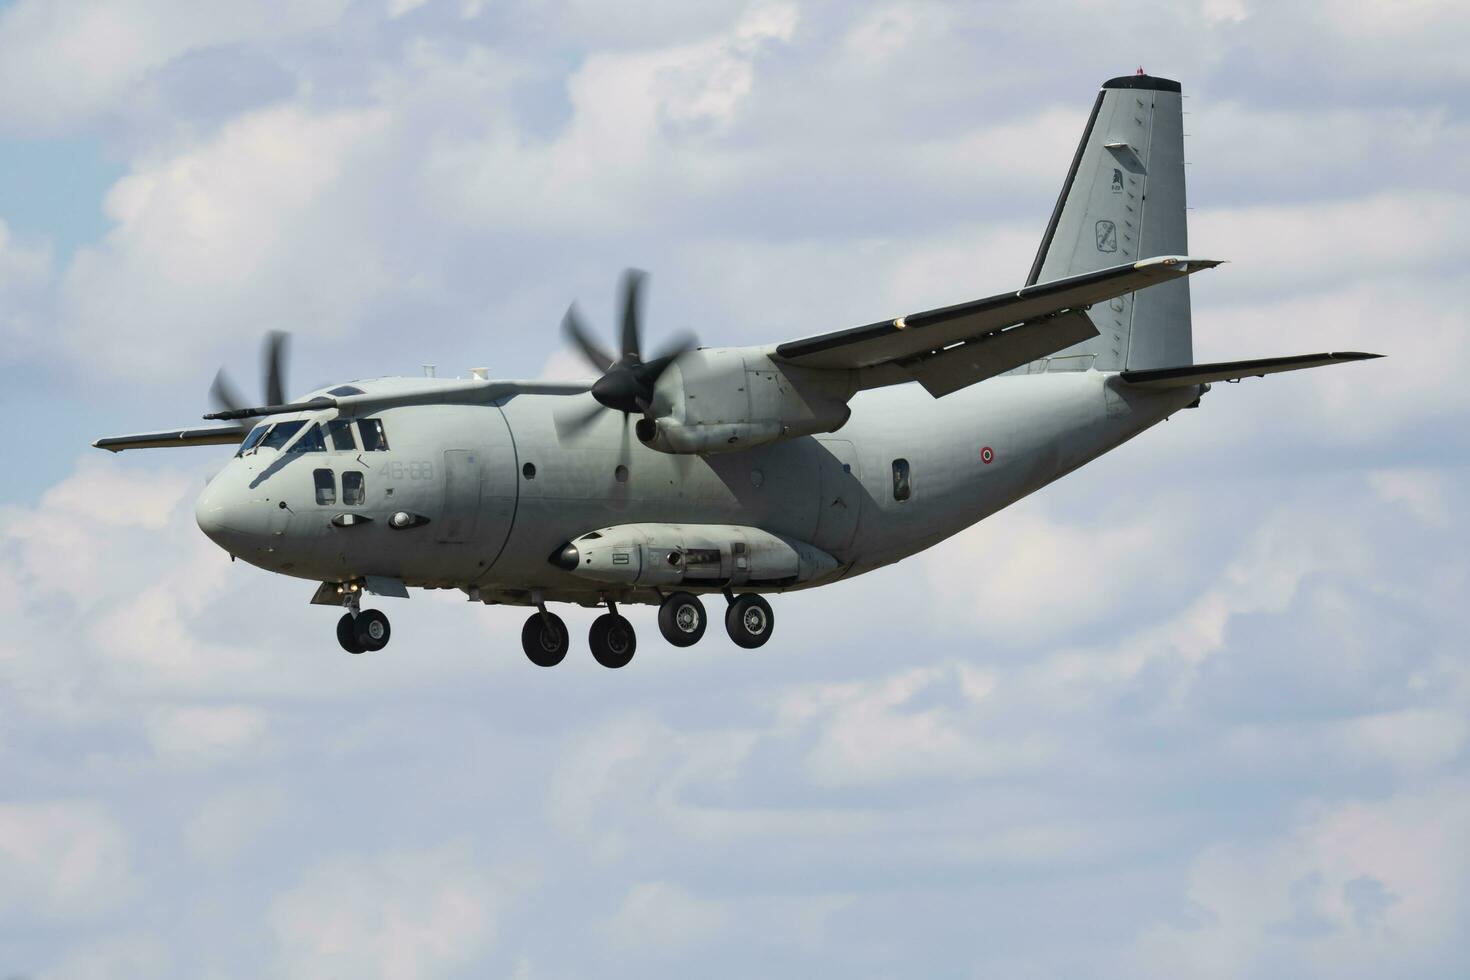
pixel 627 384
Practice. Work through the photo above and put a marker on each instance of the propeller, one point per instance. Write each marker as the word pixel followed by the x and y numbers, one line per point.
pixel 627 382
pixel 227 397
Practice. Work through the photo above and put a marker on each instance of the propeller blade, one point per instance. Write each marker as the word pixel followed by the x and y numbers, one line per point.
pixel 632 287
pixel 573 422
pixel 224 394
pixel 576 332
pixel 273 370
pixel 680 343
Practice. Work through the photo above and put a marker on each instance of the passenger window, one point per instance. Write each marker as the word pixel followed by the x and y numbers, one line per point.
pixel 900 479
pixel 311 442
pixel 326 487
pixel 353 492
pixel 373 437
pixel 253 439
pixel 280 434
pixel 340 431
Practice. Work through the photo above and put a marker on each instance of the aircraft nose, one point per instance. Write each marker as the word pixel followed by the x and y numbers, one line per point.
pixel 223 514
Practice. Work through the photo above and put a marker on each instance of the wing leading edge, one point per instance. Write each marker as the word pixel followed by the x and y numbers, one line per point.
pixel 955 346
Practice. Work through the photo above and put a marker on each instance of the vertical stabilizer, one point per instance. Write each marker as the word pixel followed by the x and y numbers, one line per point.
pixel 1123 200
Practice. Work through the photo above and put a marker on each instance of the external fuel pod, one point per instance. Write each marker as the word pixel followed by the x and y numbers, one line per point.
pixel 710 555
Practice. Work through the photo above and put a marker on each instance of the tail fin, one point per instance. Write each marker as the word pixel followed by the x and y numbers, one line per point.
pixel 1123 200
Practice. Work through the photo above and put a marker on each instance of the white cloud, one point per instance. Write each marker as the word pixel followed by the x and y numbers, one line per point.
pixel 1422 492
pixel 116 957
pixel 1353 889
pixel 204 735
pixel 227 823
pixel 61 860
pixel 62 61
pixel 407 915
pixel 660 917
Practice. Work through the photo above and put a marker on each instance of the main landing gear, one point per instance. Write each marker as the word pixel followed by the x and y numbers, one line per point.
pixel 681 620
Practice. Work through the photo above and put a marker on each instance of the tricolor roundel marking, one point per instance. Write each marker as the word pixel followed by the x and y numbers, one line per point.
pixel 987 455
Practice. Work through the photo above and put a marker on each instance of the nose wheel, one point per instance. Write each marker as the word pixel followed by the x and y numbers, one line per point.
pixel 365 632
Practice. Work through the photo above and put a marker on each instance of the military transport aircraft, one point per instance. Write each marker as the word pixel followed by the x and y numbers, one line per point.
pixel 734 471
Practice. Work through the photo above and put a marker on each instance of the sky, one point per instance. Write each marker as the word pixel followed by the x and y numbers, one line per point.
pixel 1197 710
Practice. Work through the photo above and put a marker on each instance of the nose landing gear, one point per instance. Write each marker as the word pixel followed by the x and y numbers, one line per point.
pixel 362 630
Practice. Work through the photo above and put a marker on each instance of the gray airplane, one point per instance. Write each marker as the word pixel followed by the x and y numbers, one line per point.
pixel 735 471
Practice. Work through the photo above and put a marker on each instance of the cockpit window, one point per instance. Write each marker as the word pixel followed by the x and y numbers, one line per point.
pixel 311 442
pixel 280 434
pixel 373 437
pixel 340 431
pixel 256 434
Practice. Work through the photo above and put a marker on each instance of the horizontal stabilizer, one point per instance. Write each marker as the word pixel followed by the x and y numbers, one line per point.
pixel 1198 374
pixel 228 435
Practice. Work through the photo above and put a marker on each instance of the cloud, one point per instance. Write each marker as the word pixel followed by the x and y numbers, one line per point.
pixel 401 916
pixel 196 735
pixel 61 860
pixel 1351 889
pixel 64 62
pixel 230 821
pixel 660 917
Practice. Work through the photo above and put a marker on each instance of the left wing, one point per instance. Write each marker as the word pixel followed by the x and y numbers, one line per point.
pixel 226 435
pixel 955 346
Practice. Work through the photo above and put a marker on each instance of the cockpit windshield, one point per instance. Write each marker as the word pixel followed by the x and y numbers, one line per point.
pixel 253 439
pixel 280 434
pixel 311 442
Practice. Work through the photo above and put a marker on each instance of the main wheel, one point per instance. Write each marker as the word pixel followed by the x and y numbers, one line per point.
pixel 372 630
pixel 347 635
pixel 613 640
pixel 749 621
pixel 681 619
pixel 545 639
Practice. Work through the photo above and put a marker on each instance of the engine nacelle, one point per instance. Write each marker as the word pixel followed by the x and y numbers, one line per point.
pixel 727 399
pixel 710 555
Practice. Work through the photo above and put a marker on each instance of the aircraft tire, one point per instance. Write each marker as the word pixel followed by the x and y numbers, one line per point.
pixel 681 619
pixel 749 621
pixel 347 635
pixel 545 641
pixel 372 630
pixel 612 640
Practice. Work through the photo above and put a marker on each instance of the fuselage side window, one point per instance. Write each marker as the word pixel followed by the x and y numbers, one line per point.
pixel 901 488
pixel 340 431
pixel 373 437
pixel 280 434
pixel 353 491
pixel 310 442
pixel 326 487
pixel 253 439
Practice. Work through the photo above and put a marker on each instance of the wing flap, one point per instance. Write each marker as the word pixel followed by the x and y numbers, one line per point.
pixel 1198 374
pixel 973 361
pixel 227 435
pixel 919 334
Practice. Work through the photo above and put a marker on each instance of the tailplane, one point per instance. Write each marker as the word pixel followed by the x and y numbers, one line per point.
pixel 1189 375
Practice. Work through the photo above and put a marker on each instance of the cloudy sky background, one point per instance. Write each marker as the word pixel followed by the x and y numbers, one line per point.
pixel 1198 710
